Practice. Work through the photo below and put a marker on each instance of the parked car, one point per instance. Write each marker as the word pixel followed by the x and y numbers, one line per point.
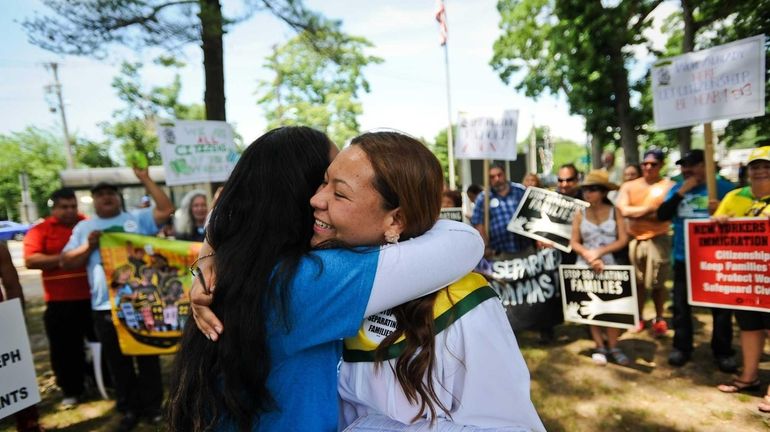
pixel 13 230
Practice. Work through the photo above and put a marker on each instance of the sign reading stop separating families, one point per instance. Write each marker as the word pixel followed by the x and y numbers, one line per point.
pixel 724 82
pixel 728 265
pixel 606 299
pixel 196 151
pixel 546 216
pixel 18 385
pixel 452 213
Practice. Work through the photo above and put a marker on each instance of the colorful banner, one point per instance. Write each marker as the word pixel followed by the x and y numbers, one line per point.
pixel 724 82
pixel 487 137
pixel 196 151
pixel 728 265
pixel 606 299
pixel 18 384
pixel 546 216
pixel 149 285
pixel 528 287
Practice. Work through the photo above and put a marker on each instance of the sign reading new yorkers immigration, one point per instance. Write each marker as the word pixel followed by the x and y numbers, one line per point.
pixel 528 287
pixel 724 82
pixel 546 216
pixel 487 137
pixel 196 151
pixel 728 265
pixel 606 299
pixel 18 384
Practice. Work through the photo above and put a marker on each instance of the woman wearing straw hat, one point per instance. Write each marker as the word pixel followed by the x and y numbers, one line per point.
pixel 597 233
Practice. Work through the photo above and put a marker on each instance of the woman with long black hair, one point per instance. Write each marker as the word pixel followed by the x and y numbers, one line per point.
pixel 287 307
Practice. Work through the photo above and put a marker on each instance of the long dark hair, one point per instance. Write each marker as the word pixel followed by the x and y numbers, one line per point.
pixel 260 228
pixel 409 177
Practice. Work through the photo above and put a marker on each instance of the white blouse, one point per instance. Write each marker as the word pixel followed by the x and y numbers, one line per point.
pixel 479 374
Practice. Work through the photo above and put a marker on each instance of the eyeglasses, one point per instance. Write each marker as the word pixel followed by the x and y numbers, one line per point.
pixel 593 188
pixel 566 180
pixel 650 164
pixel 196 272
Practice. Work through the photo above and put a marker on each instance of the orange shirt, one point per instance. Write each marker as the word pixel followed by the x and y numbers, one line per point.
pixel 642 193
pixel 49 237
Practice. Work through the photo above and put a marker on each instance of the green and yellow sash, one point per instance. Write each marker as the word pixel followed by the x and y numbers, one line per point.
pixel 451 303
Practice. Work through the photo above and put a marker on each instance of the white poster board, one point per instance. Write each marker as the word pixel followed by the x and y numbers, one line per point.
pixel 724 82
pixel 487 137
pixel 196 151
pixel 18 384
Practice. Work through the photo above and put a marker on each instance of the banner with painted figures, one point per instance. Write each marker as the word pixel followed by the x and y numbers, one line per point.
pixel 528 287
pixel 719 83
pixel 149 286
pixel 196 151
pixel 18 384
pixel 546 216
pixel 728 265
pixel 487 137
pixel 605 299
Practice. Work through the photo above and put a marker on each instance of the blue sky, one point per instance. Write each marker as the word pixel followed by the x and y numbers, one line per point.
pixel 407 90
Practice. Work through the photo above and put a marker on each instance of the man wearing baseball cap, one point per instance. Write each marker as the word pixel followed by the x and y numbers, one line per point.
pixel 688 199
pixel 138 392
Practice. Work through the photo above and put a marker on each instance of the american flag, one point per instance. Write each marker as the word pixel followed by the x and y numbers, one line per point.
pixel 441 18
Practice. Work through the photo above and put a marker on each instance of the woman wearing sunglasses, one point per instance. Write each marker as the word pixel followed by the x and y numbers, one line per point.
pixel 597 232
pixel 286 306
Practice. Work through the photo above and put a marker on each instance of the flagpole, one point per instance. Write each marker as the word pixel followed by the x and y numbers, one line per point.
pixel 450 140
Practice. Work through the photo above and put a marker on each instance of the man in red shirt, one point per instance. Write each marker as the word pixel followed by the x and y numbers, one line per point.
pixel 67 316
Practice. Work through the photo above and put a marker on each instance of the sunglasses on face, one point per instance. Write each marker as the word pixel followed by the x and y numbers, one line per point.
pixel 566 180
pixel 593 188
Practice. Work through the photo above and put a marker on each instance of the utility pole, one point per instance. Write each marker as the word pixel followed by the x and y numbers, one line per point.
pixel 56 88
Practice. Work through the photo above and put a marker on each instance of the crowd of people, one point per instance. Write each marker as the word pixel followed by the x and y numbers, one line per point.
pixel 329 296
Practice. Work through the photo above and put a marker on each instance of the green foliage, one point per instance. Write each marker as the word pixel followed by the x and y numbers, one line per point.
pixel 579 49
pixel 318 89
pixel 566 151
pixel 93 154
pixel 439 148
pixel 40 154
pixel 133 128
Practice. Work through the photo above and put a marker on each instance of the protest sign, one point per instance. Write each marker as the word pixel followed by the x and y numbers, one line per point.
pixel 149 290
pixel 728 265
pixel 606 299
pixel 546 216
pixel 452 213
pixel 487 137
pixel 196 151
pixel 527 286
pixel 18 384
pixel 724 82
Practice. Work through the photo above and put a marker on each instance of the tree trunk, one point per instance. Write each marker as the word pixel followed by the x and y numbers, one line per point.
pixel 596 152
pixel 684 135
pixel 622 104
pixel 213 61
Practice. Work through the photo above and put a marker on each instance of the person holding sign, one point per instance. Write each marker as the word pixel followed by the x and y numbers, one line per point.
pixel 287 306
pixel 750 201
pixel 504 198
pixel 597 232
pixel 138 388
pixel 688 199
pixel 650 246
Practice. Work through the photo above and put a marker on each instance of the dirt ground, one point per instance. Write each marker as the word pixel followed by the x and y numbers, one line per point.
pixel 569 391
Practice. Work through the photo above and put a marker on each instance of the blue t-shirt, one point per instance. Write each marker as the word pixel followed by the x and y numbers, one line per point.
pixel 501 211
pixel 324 307
pixel 694 205
pixel 137 222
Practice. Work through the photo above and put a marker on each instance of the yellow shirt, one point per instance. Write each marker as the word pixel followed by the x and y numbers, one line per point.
pixel 741 202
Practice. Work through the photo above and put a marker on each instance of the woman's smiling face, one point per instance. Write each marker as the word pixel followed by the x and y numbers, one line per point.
pixel 347 207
